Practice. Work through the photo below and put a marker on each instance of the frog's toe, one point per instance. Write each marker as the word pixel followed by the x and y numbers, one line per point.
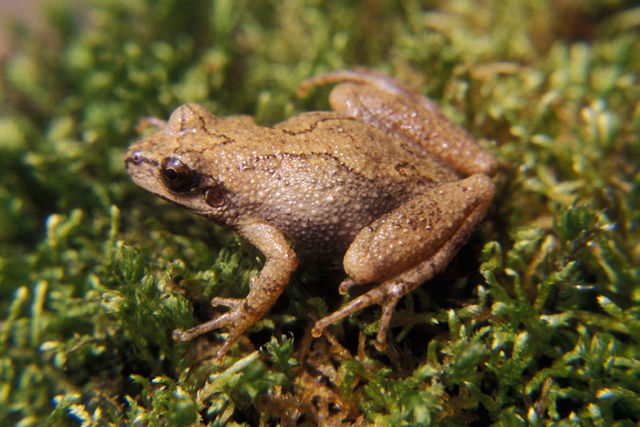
pixel 226 320
pixel 346 285
pixel 226 302
pixel 388 307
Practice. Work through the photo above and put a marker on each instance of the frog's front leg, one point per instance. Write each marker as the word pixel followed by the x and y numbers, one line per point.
pixel 411 244
pixel 390 105
pixel 266 287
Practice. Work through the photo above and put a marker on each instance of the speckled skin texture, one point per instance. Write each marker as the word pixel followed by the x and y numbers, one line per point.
pixel 378 177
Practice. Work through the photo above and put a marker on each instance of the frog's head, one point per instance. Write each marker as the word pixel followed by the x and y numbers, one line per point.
pixel 169 164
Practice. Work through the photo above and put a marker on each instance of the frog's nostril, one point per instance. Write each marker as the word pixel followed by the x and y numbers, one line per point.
pixel 135 158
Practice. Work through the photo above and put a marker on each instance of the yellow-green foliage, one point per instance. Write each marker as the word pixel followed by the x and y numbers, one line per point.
pixel 539 323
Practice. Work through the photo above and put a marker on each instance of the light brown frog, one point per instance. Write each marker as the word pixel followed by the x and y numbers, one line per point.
pixel 377 177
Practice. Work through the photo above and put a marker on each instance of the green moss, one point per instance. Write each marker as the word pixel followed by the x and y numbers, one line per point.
pixel 538 323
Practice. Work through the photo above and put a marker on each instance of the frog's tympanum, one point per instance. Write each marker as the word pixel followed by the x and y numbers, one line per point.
pixel 376 179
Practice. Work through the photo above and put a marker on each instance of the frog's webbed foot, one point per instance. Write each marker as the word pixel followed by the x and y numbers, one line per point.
pixel 265 288
pixel 385 295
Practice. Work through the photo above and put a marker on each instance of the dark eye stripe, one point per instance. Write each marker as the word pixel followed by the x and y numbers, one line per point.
pixel 137 157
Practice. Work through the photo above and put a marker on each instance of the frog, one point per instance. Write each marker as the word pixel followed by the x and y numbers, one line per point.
pixel 384 179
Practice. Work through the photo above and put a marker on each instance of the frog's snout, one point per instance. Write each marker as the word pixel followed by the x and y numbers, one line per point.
pixel 139 167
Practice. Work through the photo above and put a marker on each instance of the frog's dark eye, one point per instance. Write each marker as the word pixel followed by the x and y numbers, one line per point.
pixel 177 176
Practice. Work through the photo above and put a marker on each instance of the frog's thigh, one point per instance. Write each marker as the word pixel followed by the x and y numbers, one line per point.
pixel 401 111
pixel 266 287
pixel 432 225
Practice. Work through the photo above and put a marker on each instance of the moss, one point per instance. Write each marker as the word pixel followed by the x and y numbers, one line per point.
pixel 537 321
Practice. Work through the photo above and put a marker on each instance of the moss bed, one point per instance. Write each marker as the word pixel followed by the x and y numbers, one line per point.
pixel 536 321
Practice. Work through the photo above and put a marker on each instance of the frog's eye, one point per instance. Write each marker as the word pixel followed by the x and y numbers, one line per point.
pixel 177 176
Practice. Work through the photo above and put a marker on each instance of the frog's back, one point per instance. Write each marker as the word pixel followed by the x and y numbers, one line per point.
pixel 364 148
pixel 320 177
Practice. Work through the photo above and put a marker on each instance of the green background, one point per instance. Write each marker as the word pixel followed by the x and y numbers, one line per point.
pixel 537 321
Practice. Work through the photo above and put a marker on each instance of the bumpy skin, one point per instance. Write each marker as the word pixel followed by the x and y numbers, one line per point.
pixel 377 177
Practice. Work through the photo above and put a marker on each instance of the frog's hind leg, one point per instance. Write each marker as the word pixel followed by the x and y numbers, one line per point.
pixel 409 245
pixel 389 292
pixel 388 104
pixel 359 75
